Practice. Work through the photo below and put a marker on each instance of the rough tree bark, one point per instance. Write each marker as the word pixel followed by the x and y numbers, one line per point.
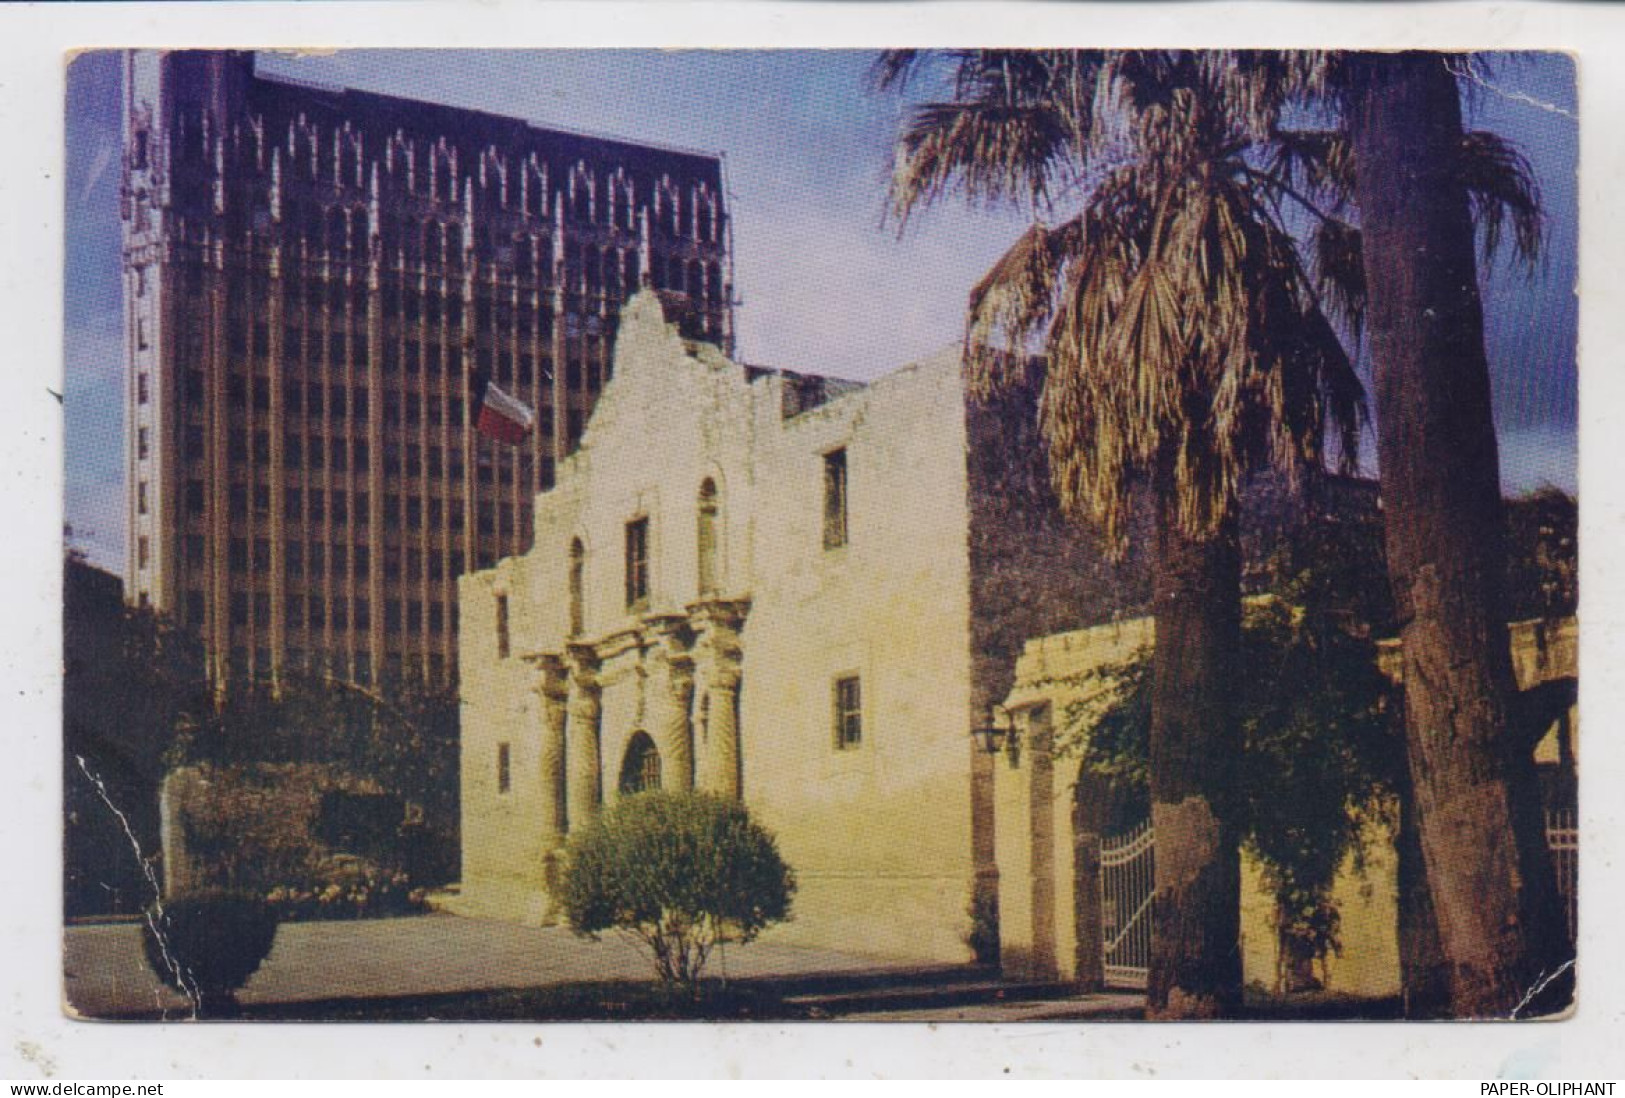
pixel 1195 742
pixel 1424 975
pixel 1478 813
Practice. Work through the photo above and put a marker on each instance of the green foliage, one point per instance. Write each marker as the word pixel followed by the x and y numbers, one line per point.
pixel 268 829
pixel 1543 573
pixel 1319 755
pixel 404 745
pixel 680 872
pixel 207 944
pixel 983 938
pixel 129 679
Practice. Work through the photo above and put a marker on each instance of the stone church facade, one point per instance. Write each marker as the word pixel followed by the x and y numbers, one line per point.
pixel 802 592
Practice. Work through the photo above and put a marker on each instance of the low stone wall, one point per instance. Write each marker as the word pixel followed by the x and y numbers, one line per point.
pixel 255 827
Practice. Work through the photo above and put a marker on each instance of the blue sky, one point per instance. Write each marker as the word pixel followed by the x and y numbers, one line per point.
pixel 823 285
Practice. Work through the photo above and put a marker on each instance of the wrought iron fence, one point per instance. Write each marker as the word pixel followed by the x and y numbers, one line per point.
pixel 1127 885
pixel 1563 838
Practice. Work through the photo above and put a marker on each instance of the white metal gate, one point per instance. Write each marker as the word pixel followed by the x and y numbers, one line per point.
pixel 1127 885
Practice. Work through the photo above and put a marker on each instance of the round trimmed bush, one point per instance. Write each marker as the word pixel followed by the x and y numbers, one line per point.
pixel 207 944
pixel 681 872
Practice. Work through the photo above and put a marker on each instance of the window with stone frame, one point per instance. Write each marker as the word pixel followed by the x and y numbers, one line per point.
pixel 504 768
pixel 502 626
pixel 848 712
pixel 835 526
pixel 578 567
pixel 637 564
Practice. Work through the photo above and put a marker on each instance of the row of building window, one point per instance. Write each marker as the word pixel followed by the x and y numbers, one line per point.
pixel 338 560
pixel 612 204
pixel 339 614
pixel 419 515
pixel 318 453
pixel 299 660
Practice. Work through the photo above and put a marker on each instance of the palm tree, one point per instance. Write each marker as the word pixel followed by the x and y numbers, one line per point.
pixel 1184 345
pixel 1481 827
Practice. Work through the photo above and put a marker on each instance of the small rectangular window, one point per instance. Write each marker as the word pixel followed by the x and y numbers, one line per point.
pixel 848 713
pixel 142 393
pixel 835 499
pixel 502 627
pixel 637 563
pixel 142 443
pixel 504 768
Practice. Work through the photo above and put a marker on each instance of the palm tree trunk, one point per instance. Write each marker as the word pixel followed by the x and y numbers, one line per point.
pixel 1424 976
pixel 1195 743
pixel 1478 816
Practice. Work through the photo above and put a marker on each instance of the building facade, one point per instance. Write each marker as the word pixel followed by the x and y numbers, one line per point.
pixel 801 592
pixel 311 274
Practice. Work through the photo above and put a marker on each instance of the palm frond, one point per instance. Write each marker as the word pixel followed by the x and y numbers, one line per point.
pixel 1339 271
pixel 987 152
pixel 1502 191
pixel 1015 302
pixel 895 69
pixel 1321 162
pixel 1183 338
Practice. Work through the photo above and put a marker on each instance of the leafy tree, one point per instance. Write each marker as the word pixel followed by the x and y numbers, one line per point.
pixel 680 872
pixel 1543 536
pixel 1184 346
pixel 130 677
pixel 1316 762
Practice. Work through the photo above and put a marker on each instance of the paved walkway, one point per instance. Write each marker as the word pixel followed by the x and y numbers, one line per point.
pixel 425 955
pixel 1118 1006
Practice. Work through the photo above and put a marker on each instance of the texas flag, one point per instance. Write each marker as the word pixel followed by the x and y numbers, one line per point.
pixel 498 415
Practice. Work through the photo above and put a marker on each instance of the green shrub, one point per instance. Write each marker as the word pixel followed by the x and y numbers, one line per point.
pixel 207 944
pixel 680 872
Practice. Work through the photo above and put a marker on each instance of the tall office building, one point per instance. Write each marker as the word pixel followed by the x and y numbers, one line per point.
pixel 311 276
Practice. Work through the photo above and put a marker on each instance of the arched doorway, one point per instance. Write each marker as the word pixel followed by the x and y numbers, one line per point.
pixel 640 770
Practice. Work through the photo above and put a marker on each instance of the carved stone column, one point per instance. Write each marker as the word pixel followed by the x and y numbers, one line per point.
pixel 552 689
pixel 671 700
pixel 582 767
pixel 720 773
pixel 718 656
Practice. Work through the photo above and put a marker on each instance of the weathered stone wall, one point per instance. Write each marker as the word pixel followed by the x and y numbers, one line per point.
pixel 1033 571
pixel 880 834
pixel 246 826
